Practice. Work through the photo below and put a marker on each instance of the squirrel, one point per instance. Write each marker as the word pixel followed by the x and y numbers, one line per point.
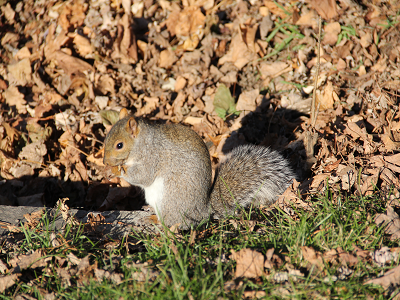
pixel 172 164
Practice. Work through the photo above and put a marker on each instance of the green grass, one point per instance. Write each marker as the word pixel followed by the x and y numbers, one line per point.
pixel 290 32
pixel 202 268
pixel 346 32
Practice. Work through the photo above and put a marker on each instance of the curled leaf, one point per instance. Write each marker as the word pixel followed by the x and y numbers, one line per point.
pixel 109 117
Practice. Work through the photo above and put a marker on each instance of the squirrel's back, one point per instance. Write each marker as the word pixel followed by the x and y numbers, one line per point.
pixel 249 174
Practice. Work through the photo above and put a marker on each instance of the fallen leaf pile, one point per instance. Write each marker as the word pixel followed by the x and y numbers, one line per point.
pixel 234 71
pixel 69 268
pixel 252 264
pixel 205 65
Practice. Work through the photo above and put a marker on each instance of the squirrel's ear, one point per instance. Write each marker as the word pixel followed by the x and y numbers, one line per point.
pixel 132 127
pixel 123 113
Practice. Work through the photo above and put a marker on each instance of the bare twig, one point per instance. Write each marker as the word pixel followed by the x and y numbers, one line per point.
pixel 313 112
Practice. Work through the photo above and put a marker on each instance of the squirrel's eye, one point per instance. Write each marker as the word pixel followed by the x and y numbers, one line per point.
pixel 120 145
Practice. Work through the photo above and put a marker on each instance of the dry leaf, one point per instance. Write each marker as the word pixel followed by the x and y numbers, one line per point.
pixel 390 179
pixel 116 278
pixel 41 109
pixel 391 221
pixel 381 65
pixel 249 263
pixel 392 162
pixel 23 262
pixel 384 256
pixel 15 98
pixel 72 14
pixel 341 65
pixel 180 83
pixel 151 104
pixel 390 145
pixel 106 85
pixel 308 19
pixel 125 47
pixel 275 9
pixel 64 210
pixel 254 294
pixel 332 166
pixel 347 258
pixel 363 254
pixel 73 259
pixel 33 153
pixel 347 176
pixel 186 22
pixel 369 185
pixel 3 267
pixel 8 12
pixel 83 265
pixel 238 53
pixel 96 158
pixel 365 38
pixel 265 26
pixel 7 281
pixel 22 53
pixel 250 36
pixel 65 277
pixel 83 45
pixel 344 50
pixel 312 256
pixel 330 256
pixel 274 69
pixel 326 100
pixel 191 43
pixel 325 8
pixel 193 120
pixel 167 59
pixel 247 100
pixel 319 181
pixel 390 278
pixel 3 85
pixel 356 131
pixel 21 72
pixel 272 260
pixel 34 218
pixel 7 141
pixel 71 65
pixel 144 273
pixel 332 31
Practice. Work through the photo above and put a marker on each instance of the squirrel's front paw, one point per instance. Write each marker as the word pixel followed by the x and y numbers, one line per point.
pixel 115 171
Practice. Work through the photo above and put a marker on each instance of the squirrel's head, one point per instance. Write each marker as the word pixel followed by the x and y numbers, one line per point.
pixel 119 141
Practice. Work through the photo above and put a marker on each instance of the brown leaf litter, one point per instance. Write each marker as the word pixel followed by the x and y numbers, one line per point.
pixel 62 68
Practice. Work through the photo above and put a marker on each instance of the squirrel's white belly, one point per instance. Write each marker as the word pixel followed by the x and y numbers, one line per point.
pixel 154 194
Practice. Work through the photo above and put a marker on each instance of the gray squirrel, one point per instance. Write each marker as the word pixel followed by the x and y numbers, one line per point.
pixel 172 164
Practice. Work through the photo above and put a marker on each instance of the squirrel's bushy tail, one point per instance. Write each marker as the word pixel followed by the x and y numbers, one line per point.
pixel 250 174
